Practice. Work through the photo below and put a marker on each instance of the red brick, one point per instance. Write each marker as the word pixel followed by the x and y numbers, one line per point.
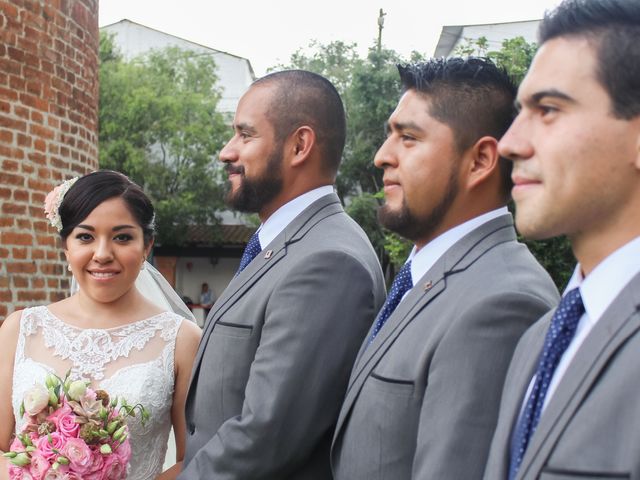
pixel 19 253
pixel 6 222
pixel 32 296
pixel 37 254
pixel 6 136
pixel 21 267
pixel 11 179
pixel 24 140
pixel 20 282
pixel 51 269
pixel 24 223
pixel 4 282
pixel 12 124
pixel 5 193
pixel 12 238
pixel 5 296
pixel 20 195
pixel 37 282
pixel 4 253
pixel 13 209
pixel 10 166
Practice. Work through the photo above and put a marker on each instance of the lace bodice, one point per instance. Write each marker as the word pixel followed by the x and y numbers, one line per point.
pixel 134 361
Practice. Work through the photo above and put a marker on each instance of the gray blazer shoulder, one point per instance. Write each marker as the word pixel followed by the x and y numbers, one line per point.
pixel 274 359
pixel 423 398
pixel 589 428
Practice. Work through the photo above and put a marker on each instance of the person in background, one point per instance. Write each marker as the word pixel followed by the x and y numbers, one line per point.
pixel 206 299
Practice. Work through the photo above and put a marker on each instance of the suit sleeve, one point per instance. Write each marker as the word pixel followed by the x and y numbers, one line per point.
pixel 465 380
pixel 314 324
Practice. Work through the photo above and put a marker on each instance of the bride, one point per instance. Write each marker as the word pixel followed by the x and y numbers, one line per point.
pixel 107 332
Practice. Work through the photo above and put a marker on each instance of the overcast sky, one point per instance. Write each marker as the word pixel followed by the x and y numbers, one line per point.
pixel 268 32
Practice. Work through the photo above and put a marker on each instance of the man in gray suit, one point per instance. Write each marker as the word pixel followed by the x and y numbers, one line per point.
pixel 423 397
pixel 571 402
pixel 276 352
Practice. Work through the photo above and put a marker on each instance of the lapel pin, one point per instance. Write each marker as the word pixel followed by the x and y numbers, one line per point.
pixel 428 285
pixel 268 254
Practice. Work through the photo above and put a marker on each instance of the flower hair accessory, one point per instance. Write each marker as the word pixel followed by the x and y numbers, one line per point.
pixel 53 201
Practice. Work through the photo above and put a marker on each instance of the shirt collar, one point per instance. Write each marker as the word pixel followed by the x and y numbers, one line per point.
pixel 423 259
pixel 282 217
pixel 600 288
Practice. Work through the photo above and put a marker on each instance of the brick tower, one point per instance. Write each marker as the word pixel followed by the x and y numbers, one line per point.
pixel 48 133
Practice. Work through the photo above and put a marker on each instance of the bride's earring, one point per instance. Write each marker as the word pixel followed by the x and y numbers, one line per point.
pixel 69 267
pixel 144 259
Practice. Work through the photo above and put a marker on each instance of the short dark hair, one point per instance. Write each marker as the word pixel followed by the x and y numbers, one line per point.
pixel 472 96
pixel 93 189
pixel 613 28
pixel 306 98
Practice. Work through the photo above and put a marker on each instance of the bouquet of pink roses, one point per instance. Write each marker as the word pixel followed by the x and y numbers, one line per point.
pixel 71 432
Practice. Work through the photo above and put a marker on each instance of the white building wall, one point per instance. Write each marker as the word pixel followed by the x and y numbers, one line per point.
pixel 235 73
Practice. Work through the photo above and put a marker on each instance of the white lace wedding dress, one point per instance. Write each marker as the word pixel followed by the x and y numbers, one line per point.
pixel 134 361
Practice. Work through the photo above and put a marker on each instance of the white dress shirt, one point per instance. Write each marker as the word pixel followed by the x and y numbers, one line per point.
pixel 425 258
pixel 598 291
pixel 282 217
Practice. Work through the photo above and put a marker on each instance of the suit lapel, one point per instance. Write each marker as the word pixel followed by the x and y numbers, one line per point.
pixel 433 283
pixel 270 256
pixel 620 321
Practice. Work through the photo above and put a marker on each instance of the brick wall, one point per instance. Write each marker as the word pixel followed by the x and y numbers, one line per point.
pixel 48 133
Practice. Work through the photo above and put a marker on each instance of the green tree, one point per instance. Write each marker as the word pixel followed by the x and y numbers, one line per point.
pixel 159 125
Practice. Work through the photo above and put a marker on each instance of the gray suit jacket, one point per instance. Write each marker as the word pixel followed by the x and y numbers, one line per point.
pixel 422 401
pixel 590 428
pixel 274 360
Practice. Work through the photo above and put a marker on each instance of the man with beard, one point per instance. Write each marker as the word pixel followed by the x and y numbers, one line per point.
pixel 423 397
pixel 274 360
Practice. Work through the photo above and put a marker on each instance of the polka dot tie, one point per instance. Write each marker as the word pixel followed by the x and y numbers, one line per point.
pixel 401 285
pixel 252 249
pixel 561 331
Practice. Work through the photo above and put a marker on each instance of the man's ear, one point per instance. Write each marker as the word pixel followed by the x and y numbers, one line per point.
pixel 483 161
pixel 302 142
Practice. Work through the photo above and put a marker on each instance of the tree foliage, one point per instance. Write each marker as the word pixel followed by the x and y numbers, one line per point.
pixel 370 89
pixel 159 125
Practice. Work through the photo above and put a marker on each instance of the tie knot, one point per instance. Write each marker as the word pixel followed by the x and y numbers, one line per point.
pixel 252 249
pixel 401 285
pixel 566 317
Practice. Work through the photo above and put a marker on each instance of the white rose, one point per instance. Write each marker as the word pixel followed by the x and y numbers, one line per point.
pixel 36 399
pixel 77 389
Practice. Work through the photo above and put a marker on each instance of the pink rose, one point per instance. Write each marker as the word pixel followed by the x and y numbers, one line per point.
pixel 65 409
pixel 97 460
pixel 67 425
pixel 114 468
pixel 39 466
pixel 46 448
pixel 79 454
pixel 18 473
pixel 16 445
pixel 124 451
pixel 61 473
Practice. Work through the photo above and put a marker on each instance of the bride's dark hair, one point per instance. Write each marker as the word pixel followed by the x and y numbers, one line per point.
pixel 93 189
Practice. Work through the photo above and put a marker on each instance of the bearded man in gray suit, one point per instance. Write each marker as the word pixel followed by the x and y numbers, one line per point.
pixel 274 360
pixel 571 402
pixel 423 397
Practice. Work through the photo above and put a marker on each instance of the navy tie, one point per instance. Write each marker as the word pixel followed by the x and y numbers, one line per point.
pixel 252 249
pixel 561 331
pixel 401 285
